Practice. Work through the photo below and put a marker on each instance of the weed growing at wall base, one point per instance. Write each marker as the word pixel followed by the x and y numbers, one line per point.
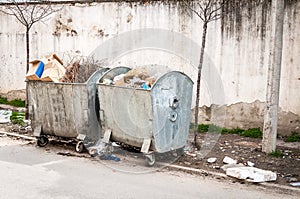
pixel 15 102
pixel 276 154
pixel 17 118
pixel 253 133
pixel 294 137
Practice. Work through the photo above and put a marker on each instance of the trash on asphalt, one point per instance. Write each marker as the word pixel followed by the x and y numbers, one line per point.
pixel 109 157
pixel 211 160
pixel 228 160
pixel 115 144
pixel 5 116
pixel 191 154
pixel 295 184
pixel 98 149
pixel 102 149
pixel 291 179
pixel 251 174
pixel 227 166
pixel 250 164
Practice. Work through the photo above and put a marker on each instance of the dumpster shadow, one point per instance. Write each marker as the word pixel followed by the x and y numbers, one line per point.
pixel 132 161
pixel 64 147
pixel 167 157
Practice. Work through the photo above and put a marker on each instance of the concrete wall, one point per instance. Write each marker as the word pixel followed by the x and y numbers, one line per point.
pixel 236 53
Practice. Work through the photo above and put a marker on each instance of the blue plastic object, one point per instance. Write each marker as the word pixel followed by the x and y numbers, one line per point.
pixel 40 69
pixel 110 157
pixel 145 87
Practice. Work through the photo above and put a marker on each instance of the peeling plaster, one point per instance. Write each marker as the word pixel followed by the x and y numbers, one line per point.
pixel 64 25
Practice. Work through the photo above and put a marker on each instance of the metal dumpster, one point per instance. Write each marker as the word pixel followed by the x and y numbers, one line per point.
pixel 65 110
pixel 157 120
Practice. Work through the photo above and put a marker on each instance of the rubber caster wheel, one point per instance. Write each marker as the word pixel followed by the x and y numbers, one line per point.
pixel 79 147
pixel 150 160
pixel 180 152
pixel 42 141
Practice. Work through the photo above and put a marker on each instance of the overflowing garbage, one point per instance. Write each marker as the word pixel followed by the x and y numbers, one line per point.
pixel 51 68
pixel 140 78
pixel 48 69
pixel 71 72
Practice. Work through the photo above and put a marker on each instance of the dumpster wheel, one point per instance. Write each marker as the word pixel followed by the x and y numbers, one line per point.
pixel 79 147
pixel 180 151
pixel 150 159
pixel 42 141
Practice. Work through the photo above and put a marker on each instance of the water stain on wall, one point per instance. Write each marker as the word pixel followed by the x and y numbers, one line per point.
pixel 63 25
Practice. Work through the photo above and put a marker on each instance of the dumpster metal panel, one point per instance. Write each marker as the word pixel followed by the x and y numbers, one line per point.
pixel 66 109
pixel 95 133
pixel 127 112
pixel 161 114
pixel 54 105
pixel 79 99
pixel 171 96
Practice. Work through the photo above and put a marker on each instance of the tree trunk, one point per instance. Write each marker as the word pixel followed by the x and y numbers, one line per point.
pixel 27 50
pixel 199 83
pixel 274 71
pixel 27 68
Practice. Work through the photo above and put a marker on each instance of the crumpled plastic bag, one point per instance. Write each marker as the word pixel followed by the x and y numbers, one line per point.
pixel 5 116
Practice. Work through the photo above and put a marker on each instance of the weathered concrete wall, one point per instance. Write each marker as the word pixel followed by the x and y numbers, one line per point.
pixel 237 47
pixel 245 47
pixel 247 115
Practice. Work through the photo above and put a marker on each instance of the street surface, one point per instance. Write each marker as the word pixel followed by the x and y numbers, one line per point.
pixel 30 172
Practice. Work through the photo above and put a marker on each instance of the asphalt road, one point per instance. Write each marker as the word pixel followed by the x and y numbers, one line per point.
pixel 30 172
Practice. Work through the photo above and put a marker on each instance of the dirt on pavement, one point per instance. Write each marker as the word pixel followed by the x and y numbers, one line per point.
pixel 242 149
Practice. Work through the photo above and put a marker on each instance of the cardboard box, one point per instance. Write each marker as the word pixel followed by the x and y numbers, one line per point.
pixel 35 70
pixel 52 69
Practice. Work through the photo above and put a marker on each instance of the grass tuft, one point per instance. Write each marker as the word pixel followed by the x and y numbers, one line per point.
pixel 232 131
pixel 15 102
pixel 276 154
pixel 211 128
pixel 252 133
pixel 294 137
pixel 17 118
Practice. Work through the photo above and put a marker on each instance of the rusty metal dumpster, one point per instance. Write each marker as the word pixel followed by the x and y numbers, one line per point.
pixel 156 120
pixel 65 110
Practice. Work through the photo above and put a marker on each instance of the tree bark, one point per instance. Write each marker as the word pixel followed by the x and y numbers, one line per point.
pixel 27 68
pixel 274 72
pixel 199 83
pixel 27 49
